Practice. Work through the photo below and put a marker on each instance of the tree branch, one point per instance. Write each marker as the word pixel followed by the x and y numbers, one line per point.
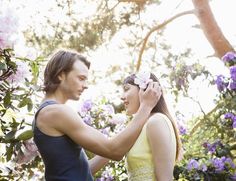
pixel 155 29
pixel 211 29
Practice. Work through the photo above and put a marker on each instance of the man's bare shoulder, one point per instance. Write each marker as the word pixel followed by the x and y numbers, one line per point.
pixel 57 111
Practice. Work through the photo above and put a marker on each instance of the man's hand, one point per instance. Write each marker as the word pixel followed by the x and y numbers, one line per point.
pixel 151 95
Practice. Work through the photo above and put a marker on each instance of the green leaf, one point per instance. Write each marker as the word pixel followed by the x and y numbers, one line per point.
pixel 10 135
pixel 9 152
pixel 25 135
pixel 24 102
pixel 3 66
pixel 7 99
pixel 30 105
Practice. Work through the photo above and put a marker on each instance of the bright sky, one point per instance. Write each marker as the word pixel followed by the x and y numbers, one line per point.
pixel 179 33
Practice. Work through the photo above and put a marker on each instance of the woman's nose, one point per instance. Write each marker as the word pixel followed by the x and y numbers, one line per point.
pixel 122 97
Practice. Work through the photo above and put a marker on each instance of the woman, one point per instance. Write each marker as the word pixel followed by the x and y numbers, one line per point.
pixel 154 153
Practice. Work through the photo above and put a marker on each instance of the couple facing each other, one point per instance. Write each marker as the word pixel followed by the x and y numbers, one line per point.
pixel 150 141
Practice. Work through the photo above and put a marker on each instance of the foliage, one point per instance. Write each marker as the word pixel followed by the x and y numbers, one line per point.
pixel 101 115
pixel 213 157
pixel 17 87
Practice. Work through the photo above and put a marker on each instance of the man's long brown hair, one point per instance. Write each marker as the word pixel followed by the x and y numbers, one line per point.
pixel 61 61
pixel 161 107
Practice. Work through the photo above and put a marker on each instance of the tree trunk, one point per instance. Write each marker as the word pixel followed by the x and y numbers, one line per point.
pixel 211 29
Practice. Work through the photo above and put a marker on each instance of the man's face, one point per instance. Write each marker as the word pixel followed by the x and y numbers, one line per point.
pixel 73 83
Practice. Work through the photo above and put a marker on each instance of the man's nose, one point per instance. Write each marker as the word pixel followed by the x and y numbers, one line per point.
pixel 85 86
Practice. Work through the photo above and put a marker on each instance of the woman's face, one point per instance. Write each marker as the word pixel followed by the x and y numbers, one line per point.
pixel 130 98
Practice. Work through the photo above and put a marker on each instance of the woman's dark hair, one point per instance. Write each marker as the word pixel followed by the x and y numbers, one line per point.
pixel 61 61
pixel 160 107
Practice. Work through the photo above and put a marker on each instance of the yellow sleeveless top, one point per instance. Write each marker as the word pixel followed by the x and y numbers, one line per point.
pixel 139 160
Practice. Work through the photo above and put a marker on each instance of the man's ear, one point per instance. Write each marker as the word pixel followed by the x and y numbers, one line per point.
pixel 61 76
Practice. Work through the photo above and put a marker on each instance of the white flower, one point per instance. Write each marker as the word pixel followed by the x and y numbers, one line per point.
pixel 21 73
pixel 142 79
pixel 9 28
pixel 118 119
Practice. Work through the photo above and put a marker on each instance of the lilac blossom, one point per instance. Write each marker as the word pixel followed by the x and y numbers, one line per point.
pixel 222 163
pixel 193 164
pixel 221 83
pixel 229 162
pixel 229 115
pixel 182 130
pixel 105 131
pixel 232 117
pixel 203 167
pixel 108 109
pixel 233 73
pixel 232 85
pixel 87 105
pixel 142 79
pixel 212 147
pixel 8 29
pixel 234 124
pixel 219 164
pixel 229 57
pixel 21 73
pixel 182 127
pixel 87 119
pixel 118 119
pixel 106 176
pixel 233 177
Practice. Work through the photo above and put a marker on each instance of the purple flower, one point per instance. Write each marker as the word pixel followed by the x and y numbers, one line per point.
pixel 182 130
pixel 106 176
pixel 233 177
pixel 221 83
pixel 105 131
pixel 233 72
pixel 234 124
pixel 212 147
pixel 87 119
pixel 203 167
pixel 229 56
pixel 108 109
pixel 229 115
pixel 232 85
pixel 193 164
pixel 229 162
pixel 87 105
pixel 218 163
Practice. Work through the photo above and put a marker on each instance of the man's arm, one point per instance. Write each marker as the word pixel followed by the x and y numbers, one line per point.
pixel 96 163
pixel 69 123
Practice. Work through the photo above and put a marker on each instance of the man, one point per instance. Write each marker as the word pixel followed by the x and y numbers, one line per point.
pixel 59 132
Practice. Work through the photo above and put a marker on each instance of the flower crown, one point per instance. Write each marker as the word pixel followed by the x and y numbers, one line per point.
pixel 142 79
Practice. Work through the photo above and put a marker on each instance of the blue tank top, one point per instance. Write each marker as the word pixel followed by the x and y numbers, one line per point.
pixel 64 160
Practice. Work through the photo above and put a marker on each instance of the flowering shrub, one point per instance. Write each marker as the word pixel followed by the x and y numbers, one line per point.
pixel 18 82
pixel 210 146
pixel 101 115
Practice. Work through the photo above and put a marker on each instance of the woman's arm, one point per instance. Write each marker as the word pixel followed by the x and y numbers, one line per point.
pixel 163 145
pixel 96 163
